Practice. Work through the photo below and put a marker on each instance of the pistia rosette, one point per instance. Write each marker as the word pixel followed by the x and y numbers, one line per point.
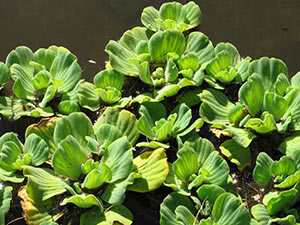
pixel 227 209
pixel 41 77
pixel 172 15
pixel 198 163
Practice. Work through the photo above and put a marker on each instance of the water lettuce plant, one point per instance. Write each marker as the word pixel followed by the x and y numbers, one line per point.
pixel 178 121
pixel 43 78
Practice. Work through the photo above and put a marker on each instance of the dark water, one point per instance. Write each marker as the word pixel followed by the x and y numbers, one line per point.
pixel 257 27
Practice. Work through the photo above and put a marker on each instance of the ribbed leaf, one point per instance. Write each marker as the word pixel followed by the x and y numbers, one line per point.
pixel 262 172
pixel 162 43
pixel 124 120
pixel 68 158
pixel 215 106
pixel 236 154
pixel 84 201
pixel 152 170
pixel 38 148
pixel 229 210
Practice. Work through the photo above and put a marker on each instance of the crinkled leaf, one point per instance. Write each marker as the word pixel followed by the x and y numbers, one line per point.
pixel 38 148
pixel 275 104
pixel 216 169
pixel 285 166
pixel 236 154
pixel 210 193
pixel 152 169
pixel 97 177
pixel 124 120
pixel 4 73
pixel 164 42
pixel 77 125
pixel 69 156
pixel 282 84
pixel 109 78
pixel 241 136
pixel 186 163
pixel 66 68
pixel 5 198
pixel 169 205
pixel 293 111
pixel 119 159
pixel 264 125
pixel 262 172
pixel 45 182
pixel 251 94
pixel 268 70
pixel 261 214
pixel 228 210
pixel 215 106
pixel 87 96
pixel 45 130
pixel 84 201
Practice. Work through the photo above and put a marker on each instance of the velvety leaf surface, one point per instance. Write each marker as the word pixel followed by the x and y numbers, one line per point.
pixel 152 169
pixel 69 156
pixel 38 148
pixel 124 120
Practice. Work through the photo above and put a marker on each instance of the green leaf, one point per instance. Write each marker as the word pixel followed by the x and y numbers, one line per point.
pixel 199 44
pixel 38 148
pixel 184 116
pixel 210 193
pixel 45 130
pixel 229 210
pixel 251 94
pixel 167 91
pixel 107 132
pixel 295 81
pixel 150 112
pixel 97 177
pixel 169 205
pixel 236 113
pixel 215 106
pixel 109 95
pixel 186 163
pixel 109 78
pixel 4 73
pixel 87 96
pixel 268 70
pixel 10 176
pixel 184 216
pixel 262 172
pixel 171 72
pixel 285 166
pixel 22 55
pixel 190 97
pixel 203 147
pixel 189 61
pixel 275 104
pixel 114 193
pixel 45 182
pixel 9 154
pixel 290 144
pixel 216 168
pixel 44 57
pixel 66 68
pixel 152 170
pixel 289 181
pixel 236 154
pixel 5 198
pixel 124 120
pixel 119 159
pixel 162 43
pixel 68 158
pixel 23 86
pixel 78 125
pixel 277 201
pixel 152 144
pixel 265 125
pixel 41 80
pixel 84 201
pixel 282 84
pixel 67 107
pixel 261 214
pixel 293 111
pixel 242 137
